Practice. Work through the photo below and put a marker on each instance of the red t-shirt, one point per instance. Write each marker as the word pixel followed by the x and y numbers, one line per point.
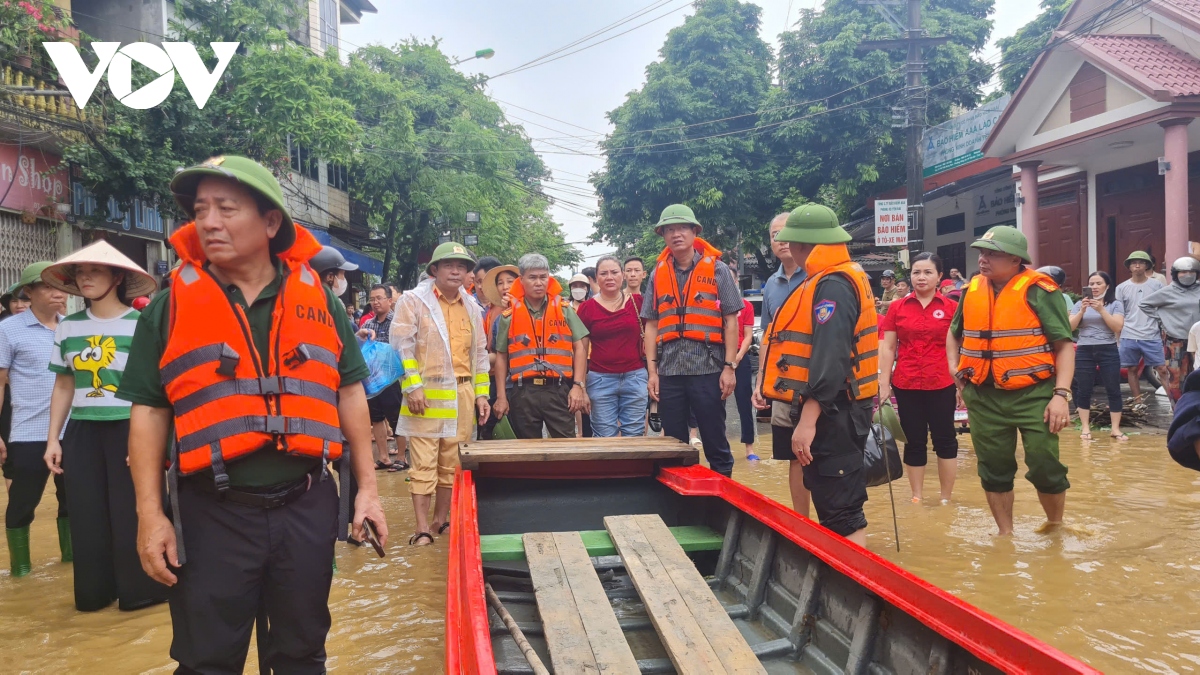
pixel 920 341
pixel 614 335
pixel 745 320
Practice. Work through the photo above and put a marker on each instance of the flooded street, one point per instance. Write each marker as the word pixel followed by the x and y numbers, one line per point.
pixel 1116 588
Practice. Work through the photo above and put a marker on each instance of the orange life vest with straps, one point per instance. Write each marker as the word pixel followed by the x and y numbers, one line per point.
pixel 789 337
pixel 228 399
pixel 694 311
pixel 1002 335
pixel 539 347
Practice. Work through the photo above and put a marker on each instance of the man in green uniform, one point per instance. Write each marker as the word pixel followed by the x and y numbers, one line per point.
pixel 260 542
pixel 1038 410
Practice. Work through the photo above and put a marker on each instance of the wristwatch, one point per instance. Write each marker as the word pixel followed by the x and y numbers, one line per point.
pixel 1065 393
pixel 727 363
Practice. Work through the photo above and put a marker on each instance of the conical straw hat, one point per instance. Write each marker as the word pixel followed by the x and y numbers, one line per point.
pixel 61 274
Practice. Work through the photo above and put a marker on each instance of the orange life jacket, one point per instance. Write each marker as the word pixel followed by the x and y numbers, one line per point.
pixel 693 312
pixel 789 337
pixel 542 347
pixel 1002 335
pixel 228 399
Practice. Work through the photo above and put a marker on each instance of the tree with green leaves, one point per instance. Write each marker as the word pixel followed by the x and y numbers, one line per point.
pixel 420 140
pixel 826 130
pixel 1020 50
pixel 687 135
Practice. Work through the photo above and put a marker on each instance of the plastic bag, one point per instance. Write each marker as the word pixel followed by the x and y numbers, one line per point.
pixel 873 463
pixel 384 364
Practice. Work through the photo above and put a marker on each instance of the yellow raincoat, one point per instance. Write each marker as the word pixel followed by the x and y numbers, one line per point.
pixel 419 335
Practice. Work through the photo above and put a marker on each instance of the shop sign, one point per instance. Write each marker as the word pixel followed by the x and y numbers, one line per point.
pixel 995 204
pixel 891 222
pixel 30 180
pixel 141 220
pixel 960 140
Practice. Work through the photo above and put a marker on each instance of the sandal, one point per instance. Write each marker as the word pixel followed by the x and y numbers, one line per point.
pixel 444 528
pixel 380 466
pixel 1085 437
pixel 416 538
pixel 1118 437
pixel 397 465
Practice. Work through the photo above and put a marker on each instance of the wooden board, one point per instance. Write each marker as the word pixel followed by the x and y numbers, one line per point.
pixel 598 543
pixel 473 453
pixel 580 627
pixel 695 629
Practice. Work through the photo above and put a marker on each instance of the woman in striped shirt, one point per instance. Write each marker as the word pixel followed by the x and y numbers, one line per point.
pixel 90 351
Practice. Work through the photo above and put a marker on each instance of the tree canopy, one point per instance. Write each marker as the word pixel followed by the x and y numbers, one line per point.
pixel 421 142
pixel 710 129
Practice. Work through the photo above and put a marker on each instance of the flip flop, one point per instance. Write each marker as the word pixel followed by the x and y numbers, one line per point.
pixel 416 538
pixel 444 528
pixel 1085 437
pixel 397 465
pixel 752 457
pixel 1118 437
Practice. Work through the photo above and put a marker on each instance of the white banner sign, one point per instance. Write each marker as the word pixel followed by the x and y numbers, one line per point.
pixel 891 222
pixel 960 140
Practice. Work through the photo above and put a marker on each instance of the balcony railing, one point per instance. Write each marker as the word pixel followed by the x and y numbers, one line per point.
pixel 19 97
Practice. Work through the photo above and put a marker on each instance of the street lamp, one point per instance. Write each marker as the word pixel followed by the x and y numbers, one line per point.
pixel 470 239
pixel 481 54
pixel 472 216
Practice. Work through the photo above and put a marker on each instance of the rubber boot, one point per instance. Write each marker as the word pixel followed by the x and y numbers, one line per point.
pixel 64 540
pixel 18 551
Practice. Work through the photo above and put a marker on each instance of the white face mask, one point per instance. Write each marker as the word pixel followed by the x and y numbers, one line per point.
pixel 579 294
pixel 340 286
pixel 1186 279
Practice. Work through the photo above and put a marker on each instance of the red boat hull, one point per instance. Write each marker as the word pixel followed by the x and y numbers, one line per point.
pixel 468 637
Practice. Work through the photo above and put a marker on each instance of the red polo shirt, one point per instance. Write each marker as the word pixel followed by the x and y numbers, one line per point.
pixel 920 341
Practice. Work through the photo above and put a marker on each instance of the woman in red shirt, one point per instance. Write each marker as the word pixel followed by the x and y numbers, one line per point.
pixel 914 339
pixel 616 383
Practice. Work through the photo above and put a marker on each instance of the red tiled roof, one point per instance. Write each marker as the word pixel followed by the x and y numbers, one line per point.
pixel 1149 60
pixel 1192 6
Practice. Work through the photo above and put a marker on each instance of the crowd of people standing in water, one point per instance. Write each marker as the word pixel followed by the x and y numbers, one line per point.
pixel 245 374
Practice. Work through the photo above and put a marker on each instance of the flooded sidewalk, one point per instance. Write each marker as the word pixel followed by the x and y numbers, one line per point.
pixel 1117 587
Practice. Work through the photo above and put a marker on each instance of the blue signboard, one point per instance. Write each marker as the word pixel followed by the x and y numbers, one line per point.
pixel 142 219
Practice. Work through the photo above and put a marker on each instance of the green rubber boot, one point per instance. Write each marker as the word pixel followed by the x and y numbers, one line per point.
pixel 64 540
pixel 18 551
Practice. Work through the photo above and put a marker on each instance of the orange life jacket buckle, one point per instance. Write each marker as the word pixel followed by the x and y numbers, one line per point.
pixel 276 424
pixel 270 385
pixel 227 362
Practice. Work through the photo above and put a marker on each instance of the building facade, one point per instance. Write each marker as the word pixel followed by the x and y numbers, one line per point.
pixel 1101 140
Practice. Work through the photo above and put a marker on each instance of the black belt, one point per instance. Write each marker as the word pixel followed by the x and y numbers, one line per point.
pixel 464 379
pixel 277 497
pixel 544 381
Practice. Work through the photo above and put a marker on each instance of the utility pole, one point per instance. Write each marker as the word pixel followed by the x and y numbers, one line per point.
pixel 910 114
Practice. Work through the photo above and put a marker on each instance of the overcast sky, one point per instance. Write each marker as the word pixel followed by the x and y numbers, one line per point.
pixel 565 101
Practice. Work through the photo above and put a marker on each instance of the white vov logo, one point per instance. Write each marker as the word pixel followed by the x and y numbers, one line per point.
pixel 178 57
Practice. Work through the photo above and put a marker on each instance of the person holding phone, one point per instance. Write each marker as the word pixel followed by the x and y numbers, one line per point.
pixel 1099 318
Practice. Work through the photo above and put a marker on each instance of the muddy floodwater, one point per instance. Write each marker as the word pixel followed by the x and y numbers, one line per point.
pixel 1119 587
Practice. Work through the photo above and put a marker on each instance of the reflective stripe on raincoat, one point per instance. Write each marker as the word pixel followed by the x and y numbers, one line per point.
pixel 419 335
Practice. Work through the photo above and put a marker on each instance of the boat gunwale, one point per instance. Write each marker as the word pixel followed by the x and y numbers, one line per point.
pixel 983 635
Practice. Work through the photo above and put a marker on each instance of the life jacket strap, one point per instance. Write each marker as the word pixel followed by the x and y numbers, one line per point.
pixel 255 386
pixel 221 352
pixel 305 352
pixel 173 496
pixel 270 424
pixel 1014 332
pixel 220 477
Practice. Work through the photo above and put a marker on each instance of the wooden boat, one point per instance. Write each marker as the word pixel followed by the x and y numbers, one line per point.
pixel 627 556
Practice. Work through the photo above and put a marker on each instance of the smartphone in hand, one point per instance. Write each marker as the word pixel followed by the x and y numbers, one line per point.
pixel 372 538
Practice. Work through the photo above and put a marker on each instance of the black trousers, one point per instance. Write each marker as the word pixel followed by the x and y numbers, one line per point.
pixel 104 518
pixel 742 393
pixel 531 405
pixel 926 414
pixel 835 476
pixel 1087 358
pixel 241 559
pixel 699 394
pixel 26 468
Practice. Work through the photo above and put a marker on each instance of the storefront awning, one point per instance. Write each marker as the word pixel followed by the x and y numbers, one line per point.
pixel 365 262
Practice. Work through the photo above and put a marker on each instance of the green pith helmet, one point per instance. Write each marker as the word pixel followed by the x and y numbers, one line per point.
pixel 886 416
pixel 245 171
pixel 1005 238
pixel 677 213
pixel 449 251
pixel 813 224
pixel 1144 257
pixel 32 274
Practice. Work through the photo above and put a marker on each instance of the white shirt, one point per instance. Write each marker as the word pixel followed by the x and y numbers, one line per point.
pixel 1194 342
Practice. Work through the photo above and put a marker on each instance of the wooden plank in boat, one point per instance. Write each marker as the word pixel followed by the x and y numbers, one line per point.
pixel 580 627
pixel 598 543
pixel 695 629
pixel 474 453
